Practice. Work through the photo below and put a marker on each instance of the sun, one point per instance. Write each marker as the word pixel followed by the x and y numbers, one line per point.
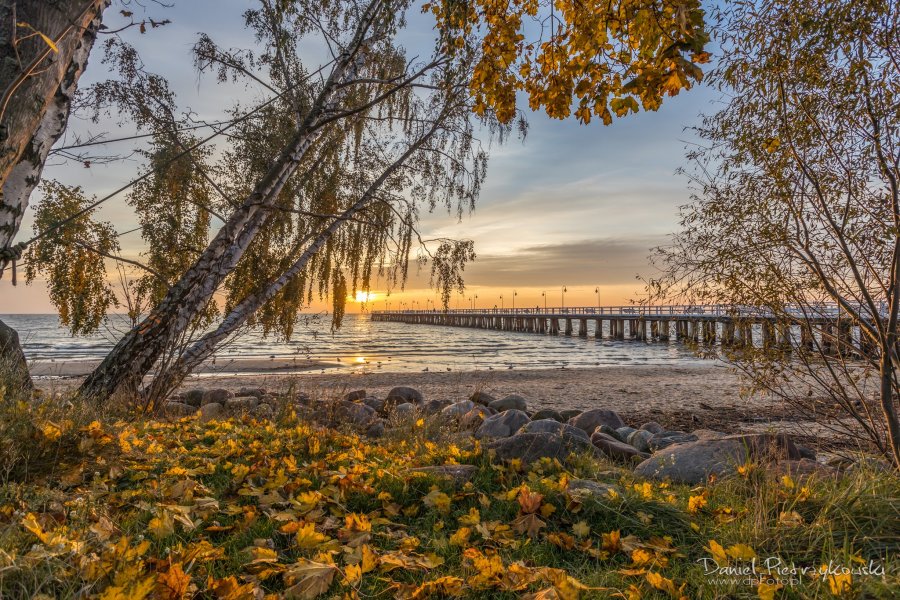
pixel 363 296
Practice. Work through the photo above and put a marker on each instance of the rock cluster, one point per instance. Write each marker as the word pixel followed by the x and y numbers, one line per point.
pixel 509 431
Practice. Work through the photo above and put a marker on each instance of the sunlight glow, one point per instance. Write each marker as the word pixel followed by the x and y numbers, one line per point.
pixel 363 296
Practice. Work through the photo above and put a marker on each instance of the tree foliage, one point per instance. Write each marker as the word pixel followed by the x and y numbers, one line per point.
pixel 797 201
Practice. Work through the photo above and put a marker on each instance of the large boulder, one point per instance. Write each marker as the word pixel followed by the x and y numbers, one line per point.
pixel 355 395
pixel 531 447
pixel 614 449
pixel 241 404
pixel 552 426
pixel 652 427
pixel 548 413
pixel 482 398
pixel 219 395
pixel 640 439
pixel 401 394
pixel 194 397
pixel 693 462
pixel 458 409
pixel 433 407
pixel 13 365
pixel 263 411
pixel 502 425
pixel 511 402
pixel 375 404
pixel 592 419
pixel 258 392
pixel 404 412
pixel 622 433
pixel 178 409
pixel 570 413
pixel 353 413
pixel 376 429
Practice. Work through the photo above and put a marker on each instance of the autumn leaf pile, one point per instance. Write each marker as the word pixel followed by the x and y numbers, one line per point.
pixel 246 509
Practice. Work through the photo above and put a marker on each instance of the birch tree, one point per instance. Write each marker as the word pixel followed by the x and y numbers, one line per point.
pixel 797 206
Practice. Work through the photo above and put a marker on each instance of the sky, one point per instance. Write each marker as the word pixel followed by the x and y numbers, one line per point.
pixel 572 206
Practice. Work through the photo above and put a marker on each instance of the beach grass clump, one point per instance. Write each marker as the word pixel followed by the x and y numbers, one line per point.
pixel 240 508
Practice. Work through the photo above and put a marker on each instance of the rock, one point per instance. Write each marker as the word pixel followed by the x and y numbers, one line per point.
pixel 511 402
pixel 552 426
pixel 614 449
pixel 502 425
pixel 592 419
pixel 458 473
pixel 433 407
pixel 805 452
pixel 581 490
pixel 352 413
pixel 194 397
pixel 548 413
pixel 303 398
pixel 640 439
pixel 693 462
pixel 263 411
pixel 799 469
pixel 569 413
pixel 212 411
pixel 622 433
pixel 241 404
pixel 608 431
pixel 530 447
pixel 355 396
pixel 178 409
pixel 402 394
pixel 458 409
pixel 475 417
pixel 251 391
pixel 652 427
pixel 13 362
pixel 482 398
pixel 376 429
pixel 708 434
pixel 668 438
pixel 219 395
pixel 269 399
pixel 404 412
pixel 375 404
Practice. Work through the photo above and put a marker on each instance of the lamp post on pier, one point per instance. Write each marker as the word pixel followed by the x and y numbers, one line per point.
pixel 564 290
pixel 597 291
pixel 515 293
pixel 544 295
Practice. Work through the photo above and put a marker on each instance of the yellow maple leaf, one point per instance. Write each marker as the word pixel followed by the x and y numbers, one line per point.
pixel 581 529
pixel 766 591
pixel 437 500
pixel 307 537
pixel 173 584
pixel 741 552
pixel 307 579
pixel 717 552
pixel 661 583
pixel 162 526
pixel 461 537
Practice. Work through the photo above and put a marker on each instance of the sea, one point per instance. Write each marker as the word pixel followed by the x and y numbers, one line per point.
pixel 365 345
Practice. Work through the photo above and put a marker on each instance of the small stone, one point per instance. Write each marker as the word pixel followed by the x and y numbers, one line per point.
pixel 212 411
pixel 458 473
pixel 807 453
pixel 608 431
pixel 269 399
pixel 194 397
pixel 178 409
pixel 302 398
pixel 502 425
pixel 569 413
pixel 640 439
pixel 355 396
pixel 352 413
pixel 586 489
pixel 458 409
pixel 555 427
pixel 511 402
pixel 376 429
pixel 622 433
pixel 433 407
pixel 375 404
pixel 241 404
pixel 401 394
pixel 475 417
pixel 263 411
pixel 548 413
pixel 652 427
pixel 482 398
pixel 665 439
pixel 219 395
pixel 404 412
pixel 256 392
pixel 614 449
pixel 592 419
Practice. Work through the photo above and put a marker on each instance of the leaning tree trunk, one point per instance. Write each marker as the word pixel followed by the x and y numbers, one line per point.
pixel 38 81
pixel 133 357
pixel 38 85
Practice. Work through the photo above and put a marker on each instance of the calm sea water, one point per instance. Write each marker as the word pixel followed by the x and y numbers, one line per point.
pixel 363 344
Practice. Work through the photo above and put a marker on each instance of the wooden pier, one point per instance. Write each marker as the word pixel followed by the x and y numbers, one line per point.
pixel 709 325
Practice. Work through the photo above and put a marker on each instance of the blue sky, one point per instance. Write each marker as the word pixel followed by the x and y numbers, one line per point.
pixel 572 205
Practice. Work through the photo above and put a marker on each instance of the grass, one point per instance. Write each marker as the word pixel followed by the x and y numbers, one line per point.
pixel 103 506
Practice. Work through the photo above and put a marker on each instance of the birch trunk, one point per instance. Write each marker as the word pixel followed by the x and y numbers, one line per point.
pixel 203 348
pixel 38 86
pixel 124 368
